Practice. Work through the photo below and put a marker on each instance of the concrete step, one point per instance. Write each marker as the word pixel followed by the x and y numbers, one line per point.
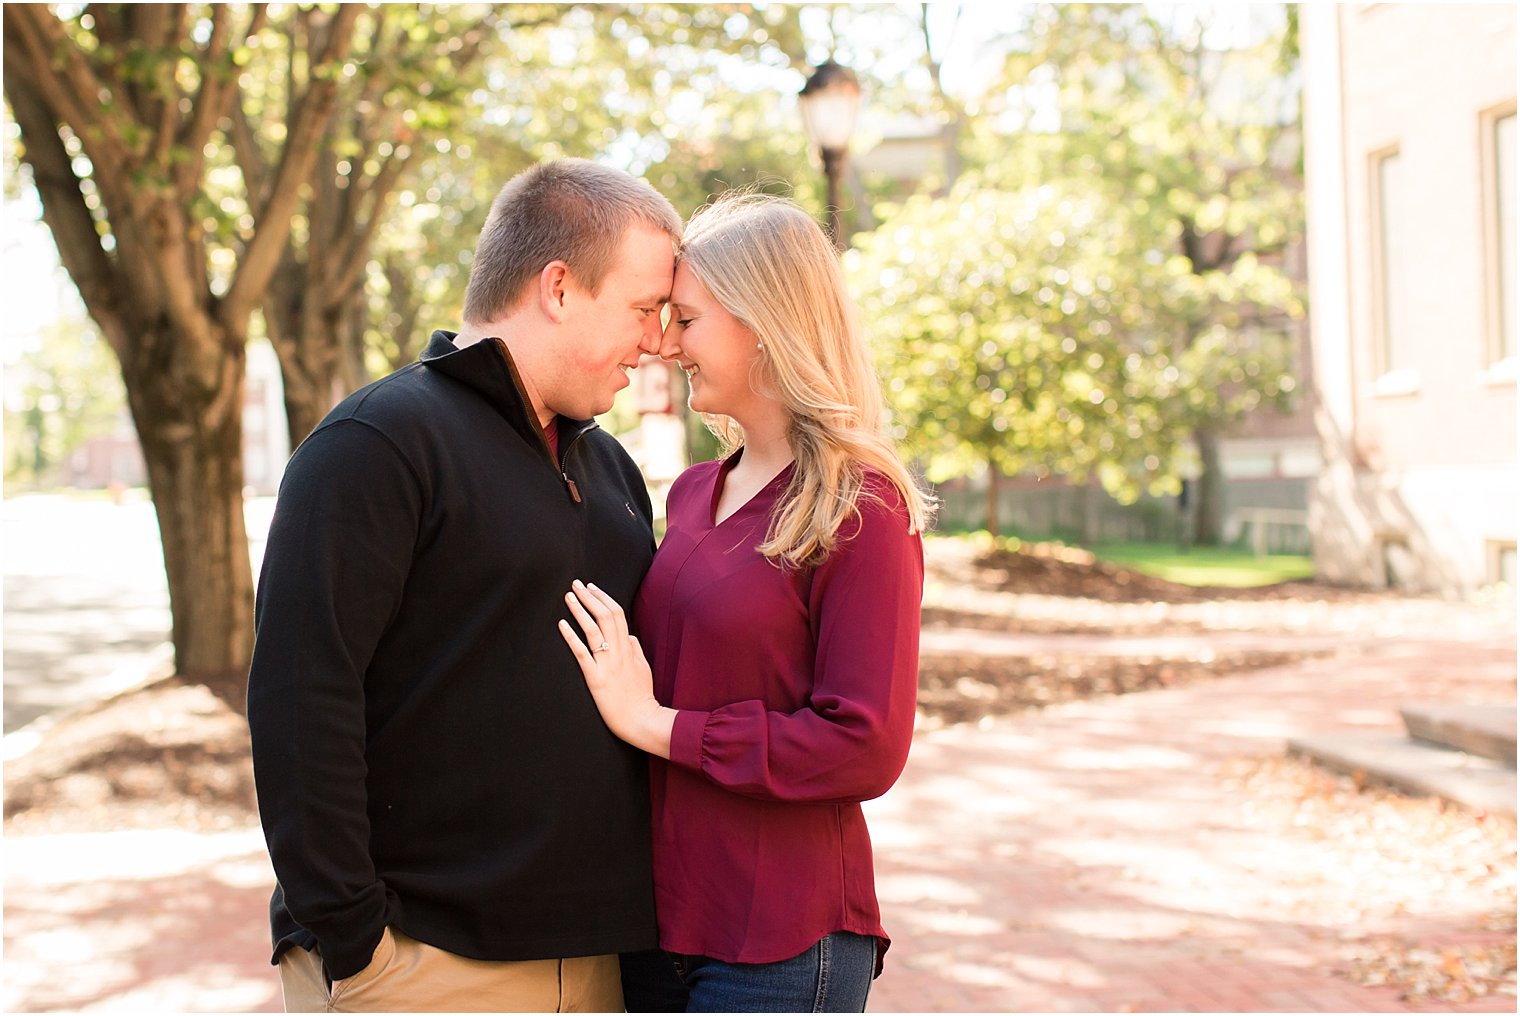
pixel 1487 730
pixel 1394 759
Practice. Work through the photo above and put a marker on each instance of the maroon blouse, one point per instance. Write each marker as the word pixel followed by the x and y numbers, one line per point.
pixel 796 692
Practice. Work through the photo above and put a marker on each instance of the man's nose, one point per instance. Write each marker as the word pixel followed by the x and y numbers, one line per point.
pixel 650 337
pixel 670 346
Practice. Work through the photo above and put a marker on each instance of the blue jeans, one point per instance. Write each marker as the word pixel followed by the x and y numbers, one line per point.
pixel 834 975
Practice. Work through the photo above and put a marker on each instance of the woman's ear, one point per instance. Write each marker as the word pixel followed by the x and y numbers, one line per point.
pixel 553 282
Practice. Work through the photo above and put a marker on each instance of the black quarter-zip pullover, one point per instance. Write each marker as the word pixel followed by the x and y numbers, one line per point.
pixel 425 749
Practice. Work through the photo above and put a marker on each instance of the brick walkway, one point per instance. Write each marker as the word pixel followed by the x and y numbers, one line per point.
pixel 1088 857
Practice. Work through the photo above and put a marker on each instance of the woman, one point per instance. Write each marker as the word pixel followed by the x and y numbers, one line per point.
pixel 781 616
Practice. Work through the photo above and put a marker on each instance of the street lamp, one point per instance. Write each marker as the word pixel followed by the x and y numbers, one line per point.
pixel 829 102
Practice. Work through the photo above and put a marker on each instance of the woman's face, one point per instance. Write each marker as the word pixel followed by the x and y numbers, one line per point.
pixel 713 347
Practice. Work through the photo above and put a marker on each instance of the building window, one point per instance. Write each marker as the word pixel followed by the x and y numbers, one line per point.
pixel 1501 567
pixel 1391 253
pixel 1500 212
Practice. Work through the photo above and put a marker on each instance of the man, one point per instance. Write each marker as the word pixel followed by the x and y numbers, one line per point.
pixel 452 826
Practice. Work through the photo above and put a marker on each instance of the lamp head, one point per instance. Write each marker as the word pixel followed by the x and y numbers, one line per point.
pixel 829 102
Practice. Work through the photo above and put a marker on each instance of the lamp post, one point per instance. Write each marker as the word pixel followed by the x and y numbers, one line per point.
pixel 829 102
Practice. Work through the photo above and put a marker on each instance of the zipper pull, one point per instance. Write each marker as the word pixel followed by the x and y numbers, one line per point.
pixel 575 491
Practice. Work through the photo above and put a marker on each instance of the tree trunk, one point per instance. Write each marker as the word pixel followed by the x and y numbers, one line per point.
pixel 306 403
pixel 1092 507
pixel 321 358
pixel 994 506
pixel 405 307
pixel 353 372
pixel 194 457
pixel 1208 493
pixel 950 138
pixel 316 323
pixel 144 127
pixel 305 332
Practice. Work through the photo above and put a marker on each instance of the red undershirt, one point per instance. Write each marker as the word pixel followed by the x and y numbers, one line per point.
pixel 551 435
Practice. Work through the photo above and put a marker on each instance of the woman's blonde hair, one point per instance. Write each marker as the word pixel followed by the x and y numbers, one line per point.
pixel 771 266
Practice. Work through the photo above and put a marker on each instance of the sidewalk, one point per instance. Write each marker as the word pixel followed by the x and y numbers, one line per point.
pixel 1090 857
pixel 1087 857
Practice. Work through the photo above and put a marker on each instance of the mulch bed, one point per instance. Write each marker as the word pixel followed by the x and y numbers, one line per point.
pixel 168 755
pixel 965 688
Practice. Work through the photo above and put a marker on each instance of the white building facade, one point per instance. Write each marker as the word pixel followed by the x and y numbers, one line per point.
pixel 1409 125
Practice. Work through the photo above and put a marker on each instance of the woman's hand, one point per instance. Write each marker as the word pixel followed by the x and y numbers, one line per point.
pixel 616 671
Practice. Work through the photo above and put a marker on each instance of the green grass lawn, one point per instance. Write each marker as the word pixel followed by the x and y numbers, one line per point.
pixel 1205 566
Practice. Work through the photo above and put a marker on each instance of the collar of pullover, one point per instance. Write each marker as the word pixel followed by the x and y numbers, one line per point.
pixel 487 368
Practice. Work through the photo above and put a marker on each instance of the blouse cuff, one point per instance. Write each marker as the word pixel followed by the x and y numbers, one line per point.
pixel 686 738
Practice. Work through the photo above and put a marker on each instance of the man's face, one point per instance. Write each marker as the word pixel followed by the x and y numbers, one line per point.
pixel 607 333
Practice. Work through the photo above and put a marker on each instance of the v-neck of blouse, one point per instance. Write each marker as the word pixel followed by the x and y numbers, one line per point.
pixel 721 476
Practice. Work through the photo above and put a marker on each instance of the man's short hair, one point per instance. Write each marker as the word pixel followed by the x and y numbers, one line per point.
pixel 569 210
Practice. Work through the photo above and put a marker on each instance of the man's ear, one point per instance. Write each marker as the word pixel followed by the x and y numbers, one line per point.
pixel 553 282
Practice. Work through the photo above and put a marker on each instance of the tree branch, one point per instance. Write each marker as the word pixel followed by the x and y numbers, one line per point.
pixel 39 81
pixel 333 211
pixel 250 159
pixel 134 27
pixel 369 195
pixel 161 26
pixel 934 66
pixel 325 208
pixel 63 207
pixel 65 80
pixel 309 120
pixel 378 193
pixel 217 89
pixel 474 37
pixel 527 23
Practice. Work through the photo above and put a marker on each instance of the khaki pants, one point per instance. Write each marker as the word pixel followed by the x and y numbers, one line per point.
pixel 406 975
